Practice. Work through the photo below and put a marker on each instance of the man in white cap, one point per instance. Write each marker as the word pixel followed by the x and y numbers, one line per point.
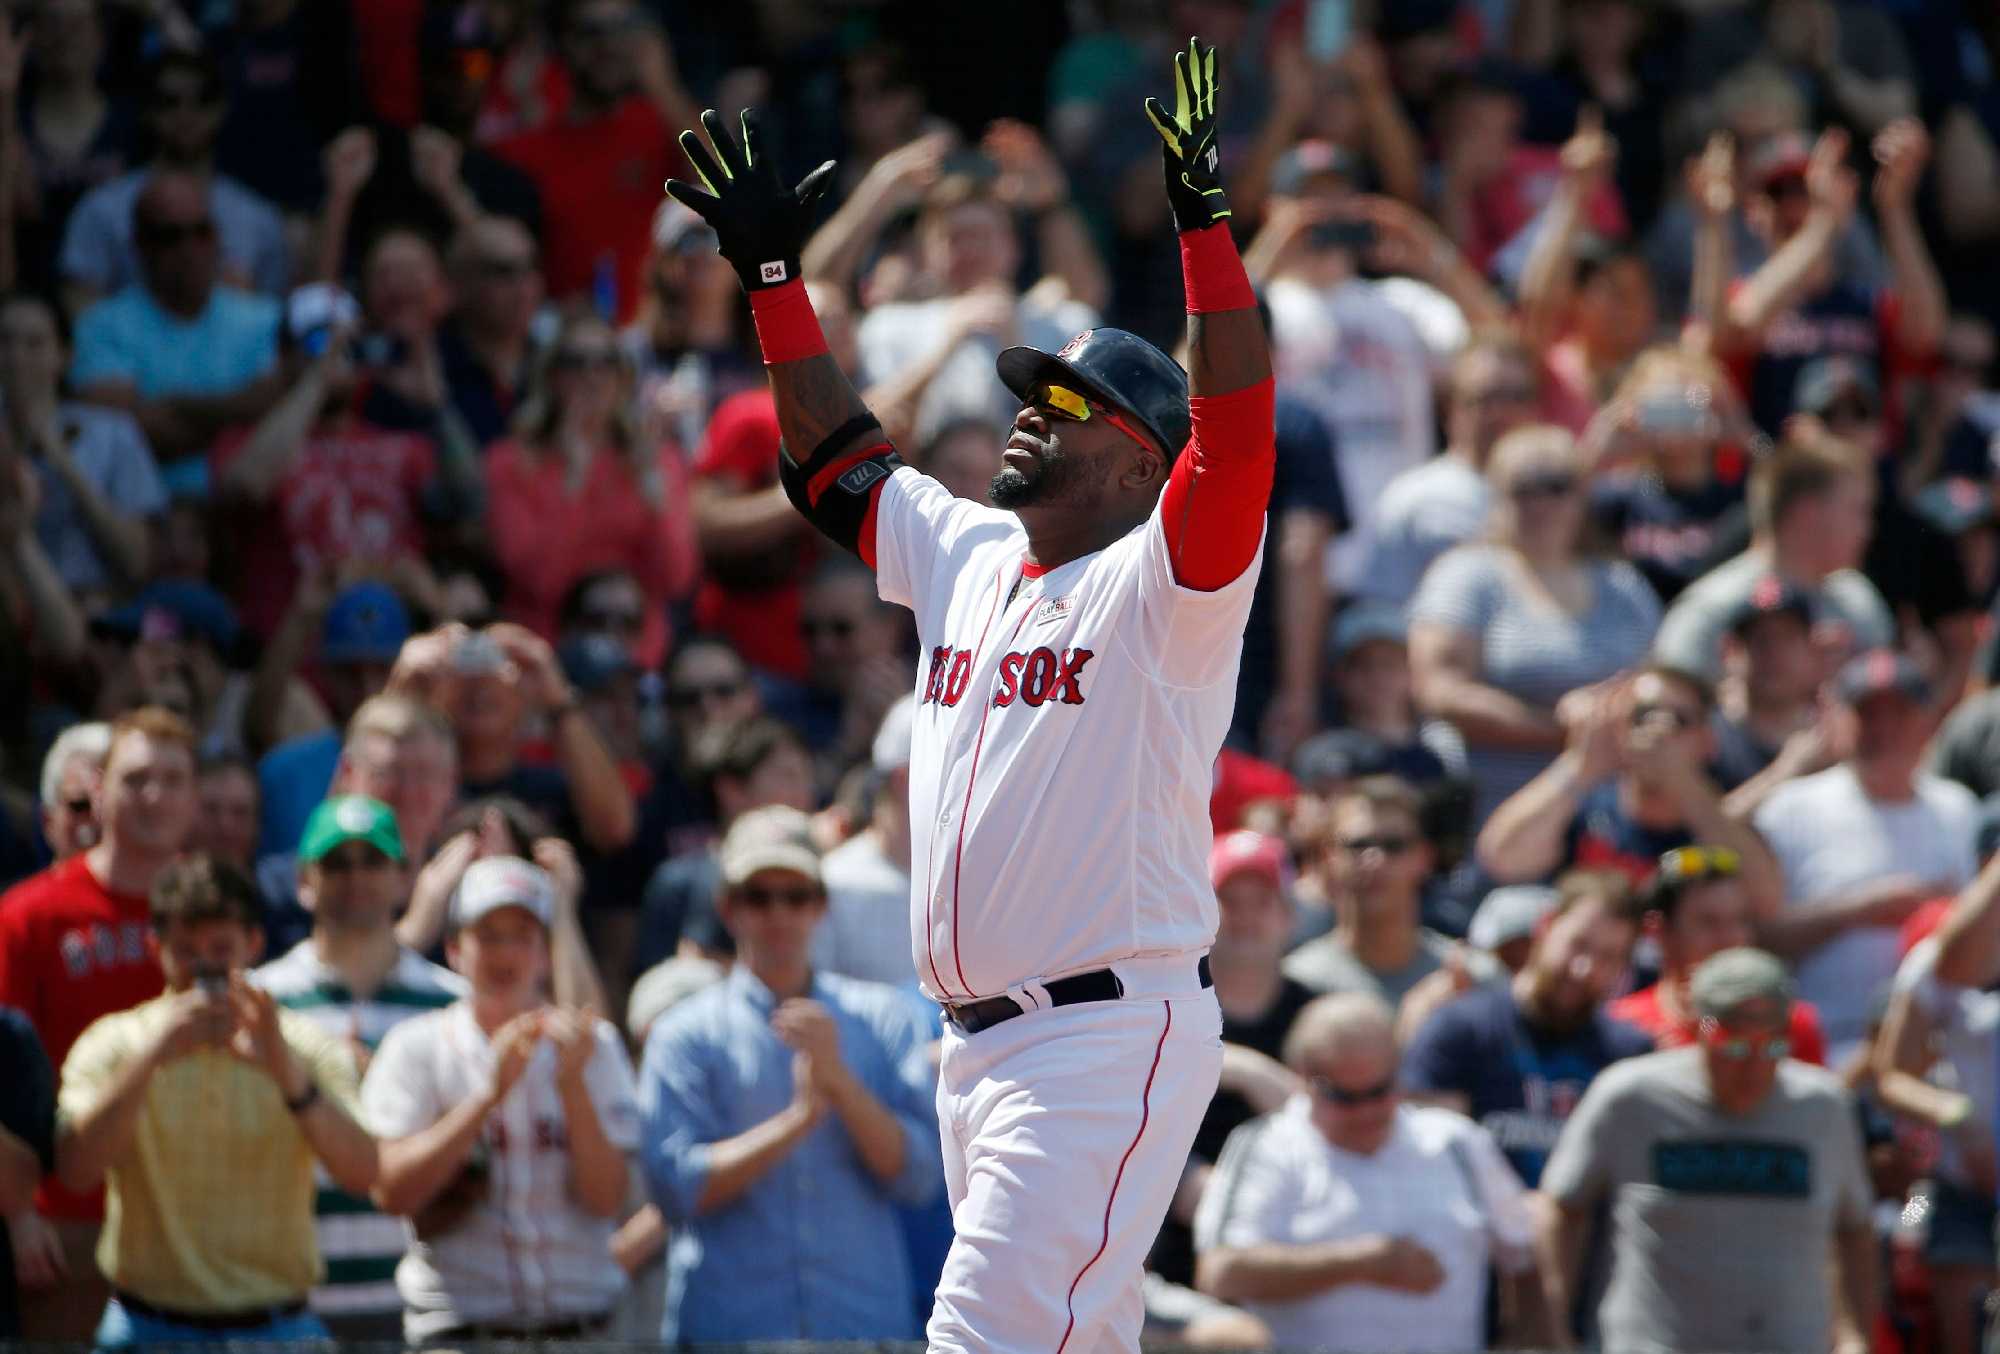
pixel 866 932
pixel 506 1125
pixel 786 1112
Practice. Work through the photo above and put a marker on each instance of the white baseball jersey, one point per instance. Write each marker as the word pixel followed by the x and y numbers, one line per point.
pixel 1066 730
pixel 528 1254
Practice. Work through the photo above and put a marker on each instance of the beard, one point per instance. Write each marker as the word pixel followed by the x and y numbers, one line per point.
pixel 1057 479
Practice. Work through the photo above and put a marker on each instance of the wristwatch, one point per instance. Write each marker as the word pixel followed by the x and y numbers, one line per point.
pixel 307 1099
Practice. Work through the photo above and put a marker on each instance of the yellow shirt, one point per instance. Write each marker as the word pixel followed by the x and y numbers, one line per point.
pixel 211 1208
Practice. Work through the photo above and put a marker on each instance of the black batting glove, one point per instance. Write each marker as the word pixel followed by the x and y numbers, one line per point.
pixel 1194 177
pixel 760 225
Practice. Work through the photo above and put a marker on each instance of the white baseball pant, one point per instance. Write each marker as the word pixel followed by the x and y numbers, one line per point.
pixel 1065 1135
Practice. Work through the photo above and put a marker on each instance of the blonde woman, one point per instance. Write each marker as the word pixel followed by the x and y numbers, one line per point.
pixel 1502 630
pixel 584 486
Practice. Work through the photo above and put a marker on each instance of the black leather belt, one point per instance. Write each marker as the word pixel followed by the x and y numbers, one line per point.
pixel 1097 985
pixel 246 1320
pixel 500 1330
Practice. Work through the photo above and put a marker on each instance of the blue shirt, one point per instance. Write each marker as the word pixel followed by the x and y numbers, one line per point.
pixel 813 1250
pixel 292 779
pixel 127 337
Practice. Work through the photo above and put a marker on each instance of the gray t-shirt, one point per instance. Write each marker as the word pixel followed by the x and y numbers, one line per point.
pixel 1967 748
pixel 111 454
pixel 1328 966
pixel 1422 513
pixel 1530 649
pixel 1721 1226
pixel 1691 634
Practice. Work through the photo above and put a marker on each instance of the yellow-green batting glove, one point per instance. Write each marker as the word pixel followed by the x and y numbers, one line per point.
pixel 1194 174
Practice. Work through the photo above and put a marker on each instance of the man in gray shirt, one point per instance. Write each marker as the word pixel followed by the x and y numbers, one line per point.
pixel 1732 1172
pixel 1811 507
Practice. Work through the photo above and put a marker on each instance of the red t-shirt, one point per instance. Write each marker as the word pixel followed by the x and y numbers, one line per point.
pixel 1642 1008
pixel 71 951
pixel 741 452
pixel 387 32
pixel 356 492
pixel 600 185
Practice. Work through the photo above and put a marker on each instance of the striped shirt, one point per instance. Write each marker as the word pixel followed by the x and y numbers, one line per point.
pixel 361 1245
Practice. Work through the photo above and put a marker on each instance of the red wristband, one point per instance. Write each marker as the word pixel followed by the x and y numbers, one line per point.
pixel 787 328
pixel 1213 272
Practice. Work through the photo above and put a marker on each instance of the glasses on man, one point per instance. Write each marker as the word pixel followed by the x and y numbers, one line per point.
pixel 760 896
pixel 585 359
pixel 1351 1097
pixel 1387 844
pixel 1688 863
pixel 167 234
pixel 359 861
pixel 1743 1045
pixel 832 627
pixel 504 269
pixel 1073 406
pixel 613 618
pixel 1673 714
pixel 688 696
pixel 1543 484
pixel 79 807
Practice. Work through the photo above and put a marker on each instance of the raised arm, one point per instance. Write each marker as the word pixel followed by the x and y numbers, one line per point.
pixel 834 459
pixel 1902 149
pixel 1783 278
pixel 1216 497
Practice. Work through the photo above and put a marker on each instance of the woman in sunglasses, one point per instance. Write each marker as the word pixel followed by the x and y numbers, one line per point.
pixel 1502 631
pixel 587 484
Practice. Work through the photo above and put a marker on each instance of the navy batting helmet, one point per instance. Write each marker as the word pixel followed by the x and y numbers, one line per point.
pixel 1112 367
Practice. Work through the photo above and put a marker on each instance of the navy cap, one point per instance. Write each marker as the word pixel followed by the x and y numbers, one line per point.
pixel 175 610
pixel 367 623
pixel 1364 623
pixel 593 662
pixel 1115 368
pixel 1771 595
pixel 1955 505
pixel 1339 754
pixel 1880 672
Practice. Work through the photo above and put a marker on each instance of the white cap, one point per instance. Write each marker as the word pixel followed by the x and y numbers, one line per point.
pixel 891 751
pixel 503 881
pixel 1510 912
pixel 774 837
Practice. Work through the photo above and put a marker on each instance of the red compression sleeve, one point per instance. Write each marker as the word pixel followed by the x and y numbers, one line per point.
pixel 1213 272
pixel 787 328
pixel 1214 503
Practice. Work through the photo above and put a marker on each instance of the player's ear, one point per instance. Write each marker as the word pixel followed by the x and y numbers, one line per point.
pixel 1146 469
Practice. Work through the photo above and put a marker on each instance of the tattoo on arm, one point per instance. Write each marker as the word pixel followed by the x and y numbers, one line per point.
pixel 814 398
pixel 1227 351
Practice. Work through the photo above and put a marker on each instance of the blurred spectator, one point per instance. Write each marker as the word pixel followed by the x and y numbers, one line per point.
pixel 395 750
pixel 72 775
pixel 74 946
pixel 1444 502
pixel 347 634
pixel 191 1103
pixel 687 341
pixel 1501 632
pixel 184 109
pixel 1349 1210
pixel 599 163
pixel 290 73
pixel 1669 467
pixel 931 360
pixel 858 665
pixel 316 480
pixel 352 980
pixel 1952 425
pixel 1378 858
pixel 588 483
pixel 708 685
pixel 27 1153
pixel 1771 724
pixel 1695 905
pixel 487 347
pixel 1369 677
pixel 1608 55
pixel 1343 99
pixel 504 1119
pixel 782 1079
pixel 1862 844
pixel 757 551
pixel 100 489
pixel 182 351
pixel 1934 1063
pixel 1631 785
pixel 488 684
pixel 1810 503
pixel 752 764
pixel 1967 748
pixel 1801 304
pixel 1506 921
pixel 75 133
pixel 1260 1004
pixel 1730 1171
pixel 1516 1057
pixel 1850 56
pixel 225 823
pixel 866 931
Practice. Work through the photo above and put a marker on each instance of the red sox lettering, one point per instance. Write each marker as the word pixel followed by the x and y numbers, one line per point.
pixel 1035 676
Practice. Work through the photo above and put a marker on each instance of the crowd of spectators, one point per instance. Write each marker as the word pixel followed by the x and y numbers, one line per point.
pixel 453 810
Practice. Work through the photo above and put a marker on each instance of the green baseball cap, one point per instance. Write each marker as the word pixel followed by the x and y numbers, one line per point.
pixel 350 818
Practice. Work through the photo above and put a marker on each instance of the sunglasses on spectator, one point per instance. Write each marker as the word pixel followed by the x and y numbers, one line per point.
pixel 578 359
pixel 612 619
pixel 1362 1095
pixel 832 629
pixel 758 896
pixel 1681 718
pixel 349 862
pixel 77 806
pixel 687 697
pixel 1849 411
pixel 504 270
pixel 1736 1046
pixel 182 98
pixel 1699 862
pixel 1544 484
pixel 1074 407
pixel 1388 846
pixel 167 234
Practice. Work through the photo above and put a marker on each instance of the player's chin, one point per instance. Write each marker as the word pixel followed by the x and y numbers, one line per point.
pixel 1013 488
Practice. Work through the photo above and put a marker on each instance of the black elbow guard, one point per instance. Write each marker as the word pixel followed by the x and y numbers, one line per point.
pixel 837 485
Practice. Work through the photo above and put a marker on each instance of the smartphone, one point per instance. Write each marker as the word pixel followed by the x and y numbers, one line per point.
pixel 477 655
pixel 1347 233
pixel 1670 416
pixel 213 981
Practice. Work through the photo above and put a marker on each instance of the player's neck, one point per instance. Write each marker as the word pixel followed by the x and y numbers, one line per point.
pixel 1052 544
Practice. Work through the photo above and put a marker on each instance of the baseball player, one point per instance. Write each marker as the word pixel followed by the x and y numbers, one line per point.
pixel 1081 638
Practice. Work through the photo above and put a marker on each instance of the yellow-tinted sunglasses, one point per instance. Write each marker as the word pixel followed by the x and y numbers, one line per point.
pixel 1688 863
pixel 1076 407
